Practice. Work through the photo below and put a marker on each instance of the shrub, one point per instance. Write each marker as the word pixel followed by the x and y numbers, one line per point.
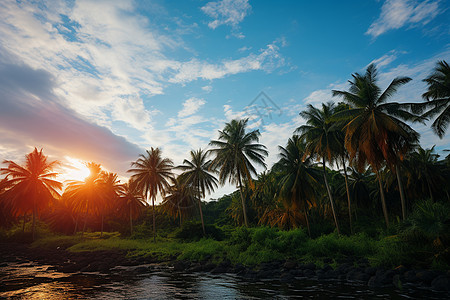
pixel 193 231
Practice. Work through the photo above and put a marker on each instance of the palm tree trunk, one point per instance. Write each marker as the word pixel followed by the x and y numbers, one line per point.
pixel 76 224
pixel 329 195
pixel 34 219
pixel 131 220
pixel 101 233
pixel 244 211
pixel 179 212
pixel 85 220
pixel 348 195
pixel 307 222
pixel 383 200
pixel 201 213
pixel 23 225
pixel 402 193
pixel 154 220
pixel 429 190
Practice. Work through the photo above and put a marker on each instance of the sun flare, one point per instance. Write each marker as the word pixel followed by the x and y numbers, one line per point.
pixel 75 169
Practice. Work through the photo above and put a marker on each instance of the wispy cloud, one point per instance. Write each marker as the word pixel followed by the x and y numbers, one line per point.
pixel 268 59
pixel 227 12
pixel 396 14
pixel 191 106
pixel 386 59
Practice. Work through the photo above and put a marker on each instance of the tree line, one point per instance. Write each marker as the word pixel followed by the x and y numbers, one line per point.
pixel 367 137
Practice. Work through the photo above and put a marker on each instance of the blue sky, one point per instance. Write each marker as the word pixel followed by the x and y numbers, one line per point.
pixel 103 80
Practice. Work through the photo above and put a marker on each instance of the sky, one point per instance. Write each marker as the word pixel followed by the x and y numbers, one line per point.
pixel 105 80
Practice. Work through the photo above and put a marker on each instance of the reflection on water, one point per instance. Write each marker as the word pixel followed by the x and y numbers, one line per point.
pixel 32 281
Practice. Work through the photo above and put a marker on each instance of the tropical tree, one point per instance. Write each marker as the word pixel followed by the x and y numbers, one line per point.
pixel 130 201
pixel 425 172
pixel 437 98
pixel 179 199
pixel 234 151
pixel 86 196
pixel 299 178
pixel 322 140
pixel 110 187
pixel 152 173
pixel 376 131
pixel 197 173
pixel 31 188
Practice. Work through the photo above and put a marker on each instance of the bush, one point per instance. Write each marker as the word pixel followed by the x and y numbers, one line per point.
pixel 193 231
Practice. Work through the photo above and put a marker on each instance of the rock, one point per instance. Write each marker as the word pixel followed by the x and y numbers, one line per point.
pixel 410 276
pixel 441 283
pixel 180 265
pixel 309 266
pixel 265 274
pixel 426 276
pixel 387 277
pixel 374 282
pixel 219 270
pixel 370 271
pixel 141 270
pixel 326 268
pixel 397 282
pixel 196 268
pixel 239 268
pixel 344 268
pixel 286 277
pixel 208 267
pixel 289 265
pixel 309 273
pixel 361 276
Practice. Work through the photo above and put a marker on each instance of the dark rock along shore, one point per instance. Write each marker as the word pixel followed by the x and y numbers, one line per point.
pixel 286 271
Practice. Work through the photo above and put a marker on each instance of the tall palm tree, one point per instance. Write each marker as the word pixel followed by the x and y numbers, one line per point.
pixel 376 132
pixel 130 201
pixel 179 199
pixel 196 172
pixel 110 187
pixel 86 196
pixel 152 173
pixel 323 140
pixel 235 151
pixel 299 178
pixel 31 187
pixel 437 98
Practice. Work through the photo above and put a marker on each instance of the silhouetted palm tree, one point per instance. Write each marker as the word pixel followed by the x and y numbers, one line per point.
pixel 110 187
pixel 152 173
pixel 299 178
pixel 323 140
pixel 376 132
pixel 31 187
pixel 179 199
pixel 86 196
pixel 130 201
pixel 196 172
pixel 438 98
pixel 235 151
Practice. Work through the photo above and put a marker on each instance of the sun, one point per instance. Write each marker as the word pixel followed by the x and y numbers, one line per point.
pixel 74 169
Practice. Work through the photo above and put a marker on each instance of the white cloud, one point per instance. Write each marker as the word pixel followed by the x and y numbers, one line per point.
pixel 207 88
pixel 191 106
pixel 324 95
pixel 227 12
pixel 386 59
pixel 268 59
pixel 398 13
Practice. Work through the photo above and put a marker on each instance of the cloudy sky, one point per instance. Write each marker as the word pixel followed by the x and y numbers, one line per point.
pixel 104 80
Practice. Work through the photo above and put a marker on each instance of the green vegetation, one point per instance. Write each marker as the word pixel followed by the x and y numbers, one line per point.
pixel 375 207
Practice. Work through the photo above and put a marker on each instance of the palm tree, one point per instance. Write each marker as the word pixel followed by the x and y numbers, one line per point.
pixel 376 132
pixel 179 199
pixel 437 98
pixel 235 151
pixel 86 196
pixel 152 173
pixel 197 174
pixel 110 187
pixel 130 201
pixel 31 187
pixel 323 140
pixel 299 178
pixel 425 171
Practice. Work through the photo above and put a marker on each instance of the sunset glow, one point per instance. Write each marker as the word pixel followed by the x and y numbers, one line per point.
pixel 75 169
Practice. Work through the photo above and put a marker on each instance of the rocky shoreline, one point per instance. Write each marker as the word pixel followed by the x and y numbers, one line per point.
pixel 115 261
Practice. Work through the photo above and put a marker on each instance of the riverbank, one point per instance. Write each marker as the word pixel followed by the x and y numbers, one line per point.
pixel 112 254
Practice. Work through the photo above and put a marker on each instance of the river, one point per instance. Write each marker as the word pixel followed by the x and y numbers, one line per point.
pixel 29 280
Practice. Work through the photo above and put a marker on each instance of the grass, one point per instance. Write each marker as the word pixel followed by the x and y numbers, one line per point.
pixel 253 246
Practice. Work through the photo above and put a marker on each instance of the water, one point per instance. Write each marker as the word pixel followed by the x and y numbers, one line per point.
pixel 34 281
